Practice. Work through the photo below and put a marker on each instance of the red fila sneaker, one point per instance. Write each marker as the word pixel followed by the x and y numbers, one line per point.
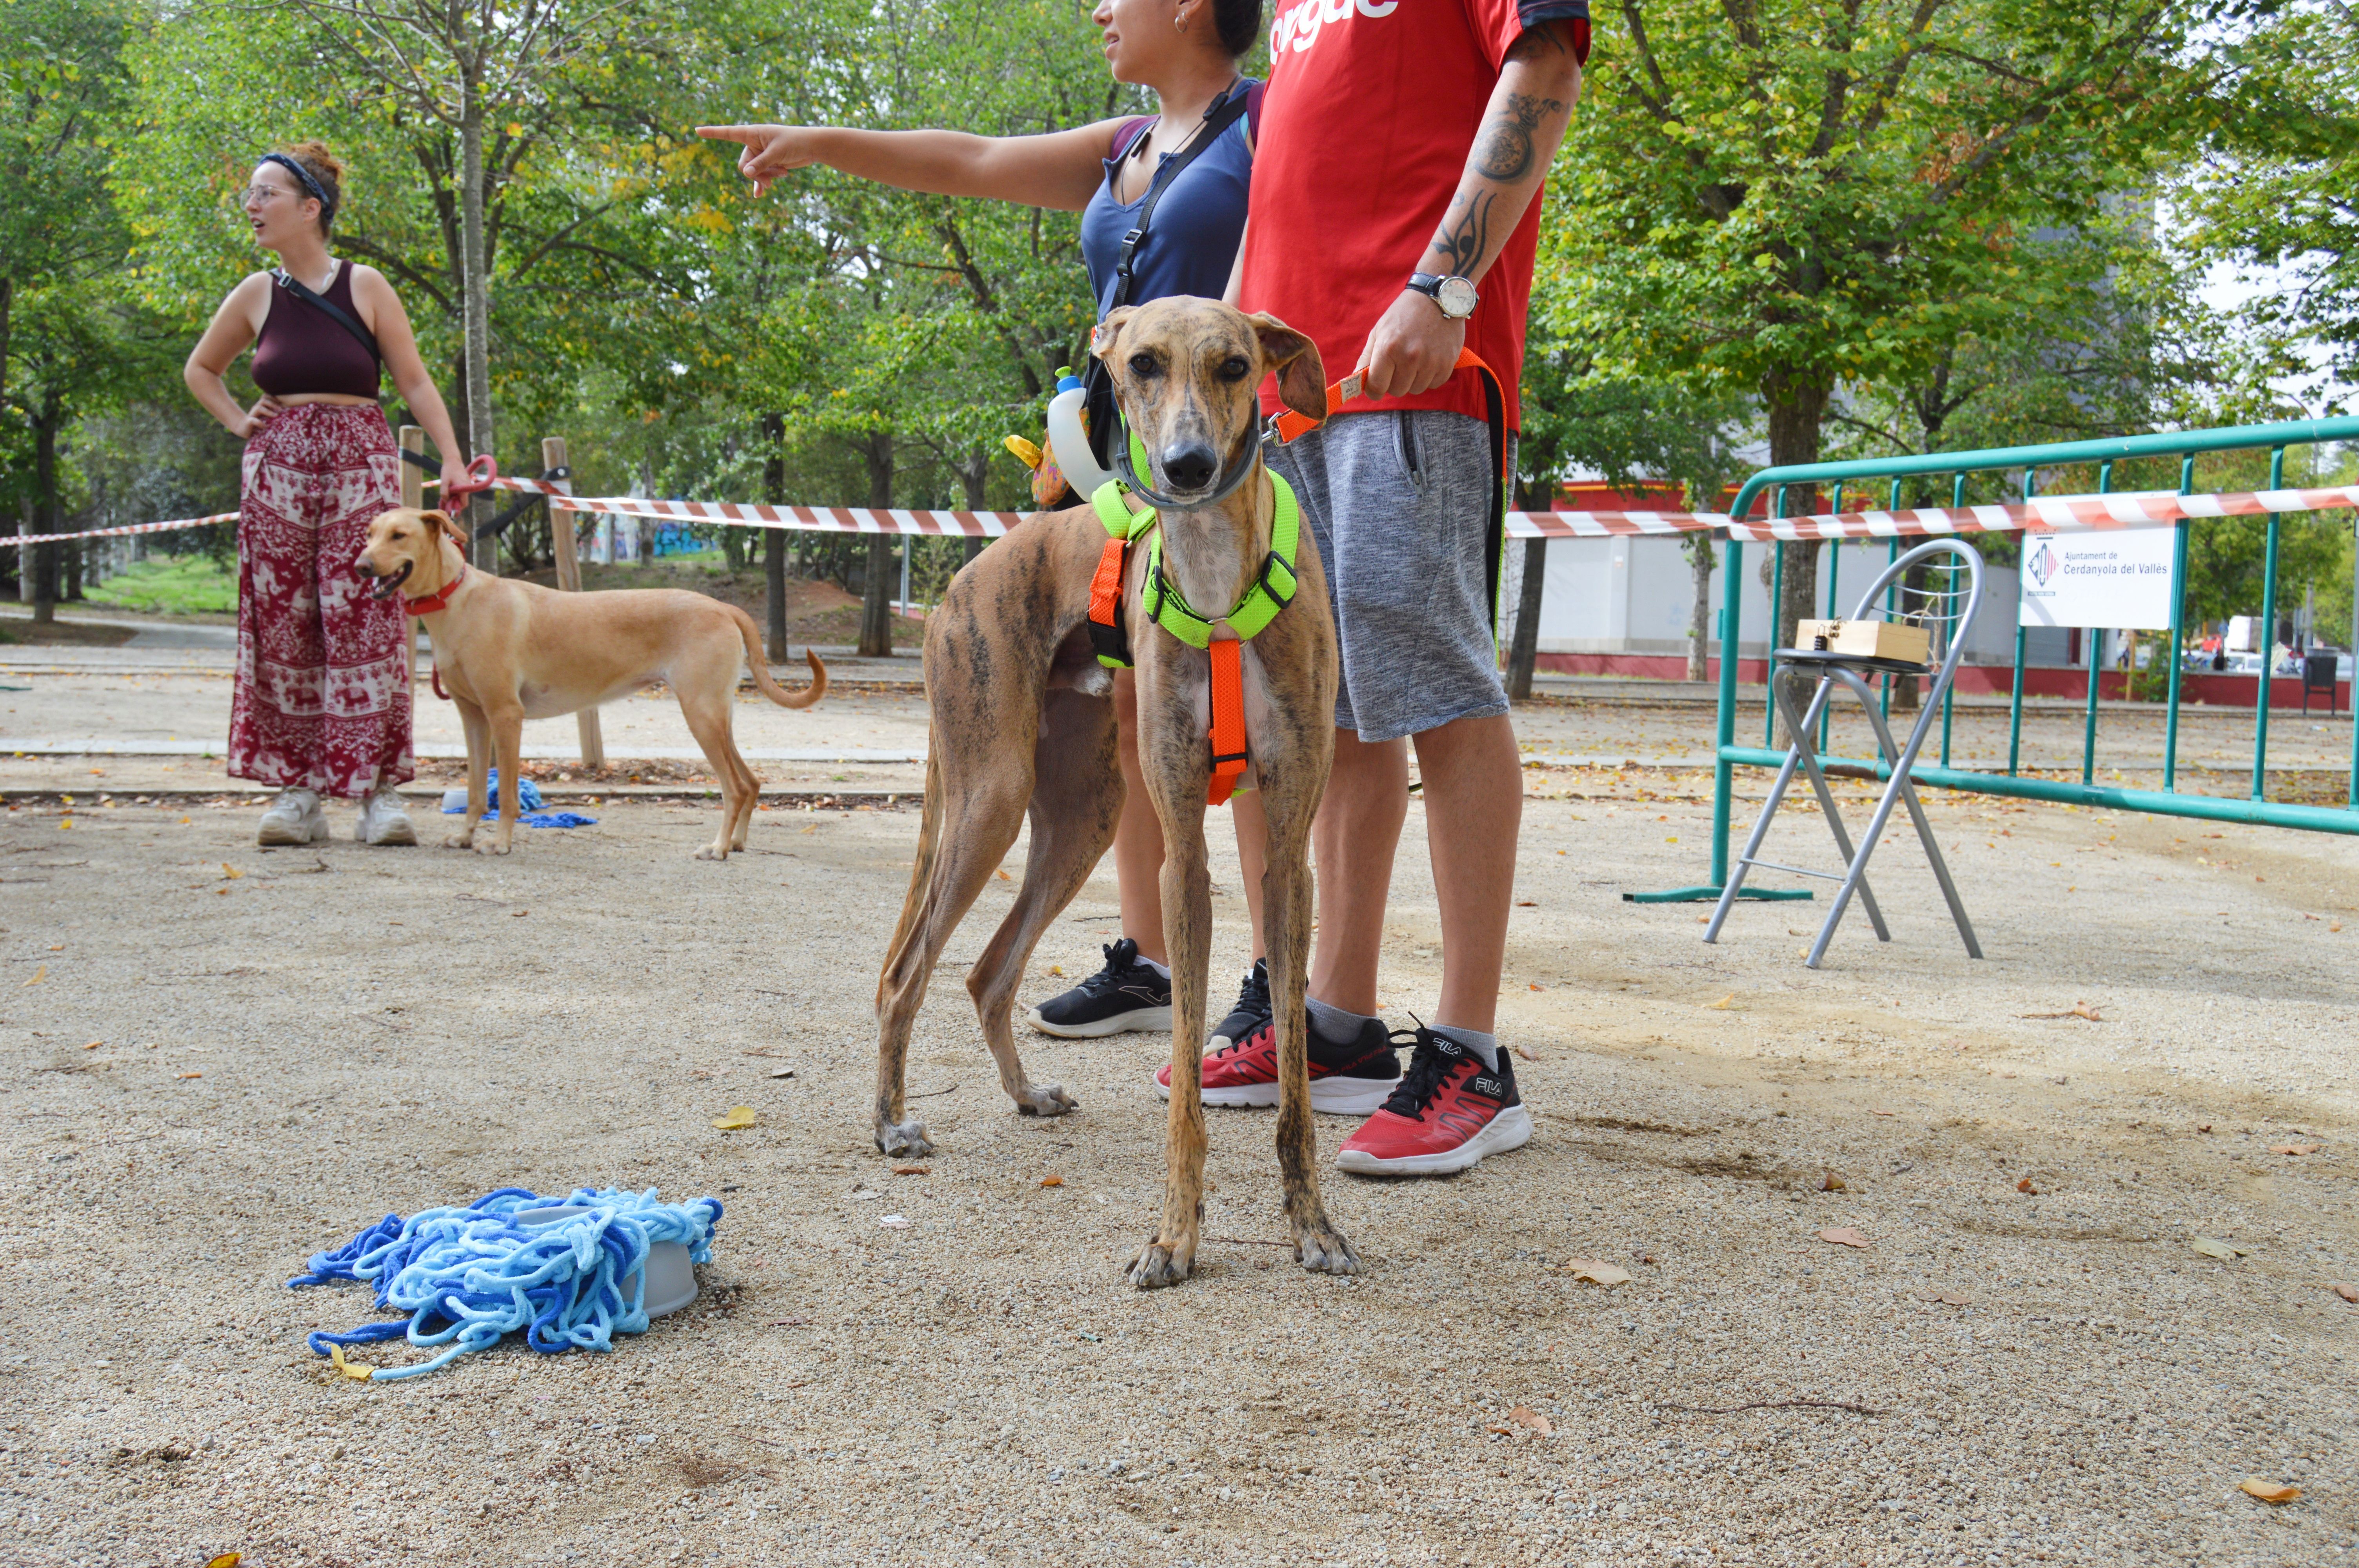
pixel 1345 1080
pixel 1448 1114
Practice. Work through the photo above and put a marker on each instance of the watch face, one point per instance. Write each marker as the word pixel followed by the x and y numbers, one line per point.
pixel 1457 297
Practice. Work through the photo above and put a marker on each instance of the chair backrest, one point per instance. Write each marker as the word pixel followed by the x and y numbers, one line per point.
pixel 1945 604
pixel 2318 672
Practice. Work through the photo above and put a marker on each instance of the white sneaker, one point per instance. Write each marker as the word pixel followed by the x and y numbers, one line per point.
pixel 295 817
pixel 383 820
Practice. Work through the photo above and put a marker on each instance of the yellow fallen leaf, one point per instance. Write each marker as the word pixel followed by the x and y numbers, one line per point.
pixel 1834 1184
pixel 2294 1149
pixel 1052 1181
pixel 1595 1273
pixel 2219 1250
pixel 66 823
pixel 94 1044
pixel 2025 1186
pixel 232 872
pixel 2268 1491
pixel 188 1075
pixel 1844 1235
pixel 1058 970
pixel 350 1369
pixel 1524 1415
pixel 2347 1290
pixel 739 1116
pixel 37 977
pixel 1002 876
pixel 1724 1003
pixel 227 1559
pixel 913 1169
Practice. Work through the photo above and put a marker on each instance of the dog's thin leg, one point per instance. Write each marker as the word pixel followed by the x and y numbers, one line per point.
pixel 1286 911
pixel 478 752
pixel 1076 800
pixel 507 739
pixel 710 724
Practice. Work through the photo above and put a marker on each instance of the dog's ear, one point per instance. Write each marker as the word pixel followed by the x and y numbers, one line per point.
pixel 1301 375
pixel 441 521
pixel 1109 331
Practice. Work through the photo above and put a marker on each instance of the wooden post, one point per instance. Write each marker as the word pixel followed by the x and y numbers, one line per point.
pixel 568 580
pixel 413 495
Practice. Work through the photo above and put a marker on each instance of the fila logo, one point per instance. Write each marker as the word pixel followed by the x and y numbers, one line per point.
pixel 1299 24
pixel 1497 1088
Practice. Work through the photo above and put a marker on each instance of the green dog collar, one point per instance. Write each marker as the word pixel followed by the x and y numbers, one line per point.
pixel 1272 590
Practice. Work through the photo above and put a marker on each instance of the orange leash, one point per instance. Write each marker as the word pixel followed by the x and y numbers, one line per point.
pixel 1229 753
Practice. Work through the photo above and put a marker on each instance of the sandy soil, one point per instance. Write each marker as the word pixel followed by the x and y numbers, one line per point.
pixel 204 1078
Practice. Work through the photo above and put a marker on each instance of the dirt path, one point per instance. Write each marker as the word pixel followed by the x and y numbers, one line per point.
pixel 286 1055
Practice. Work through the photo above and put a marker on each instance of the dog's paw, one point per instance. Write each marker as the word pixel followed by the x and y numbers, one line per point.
pixel 459 840
pixel 1323 1249
pixel 494 847
pixel 713 852
pixel 1045 1099
pixel 1162 1263
pixel 904 1139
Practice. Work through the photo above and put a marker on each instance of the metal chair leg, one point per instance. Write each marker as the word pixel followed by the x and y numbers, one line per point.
pixel 1906 787
pixel 1810 759
pixel 1736 872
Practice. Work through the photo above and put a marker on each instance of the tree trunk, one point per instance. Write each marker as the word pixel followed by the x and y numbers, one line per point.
pixel 1797 404
pixel 1699 564
pixel 773 540
pixel 876 589
pixel 74 549
pixel 1524 645
pixel 476 286
pixel 44 595
pixel 972 473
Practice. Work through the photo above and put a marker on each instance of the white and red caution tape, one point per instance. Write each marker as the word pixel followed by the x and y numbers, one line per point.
pixel 2042 514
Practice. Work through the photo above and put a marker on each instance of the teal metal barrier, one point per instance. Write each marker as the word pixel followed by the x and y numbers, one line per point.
pixel 2184 445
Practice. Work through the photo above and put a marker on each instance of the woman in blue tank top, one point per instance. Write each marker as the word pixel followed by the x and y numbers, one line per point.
pixel 1186 52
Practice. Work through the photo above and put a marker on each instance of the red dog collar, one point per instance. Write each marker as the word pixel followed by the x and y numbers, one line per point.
pixel 436 601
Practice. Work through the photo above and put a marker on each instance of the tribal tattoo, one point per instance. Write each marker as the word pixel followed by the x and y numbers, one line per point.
pixel 1465 234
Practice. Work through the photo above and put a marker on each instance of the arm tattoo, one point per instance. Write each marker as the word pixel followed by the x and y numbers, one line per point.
pixel 1533 43
pixel 1505 153
pixel 1465 235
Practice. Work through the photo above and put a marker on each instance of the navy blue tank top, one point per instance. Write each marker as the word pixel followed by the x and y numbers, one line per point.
pixel 1192 244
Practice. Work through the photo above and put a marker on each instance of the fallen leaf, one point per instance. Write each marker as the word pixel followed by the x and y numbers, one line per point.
pixel 2219 1250
pixel 1595 1273
pixel 1527 903
pixel 227 1559
pixel 1052 1181
pixel 1830 1182
pixel 739 1116
pixel 2080 1009
pixel 894 1222
pixel 2203 1127
pixel 232 872
pixel 783 1072
pixel 913 1169
pixel 2268 1491
pixel 519 913
pixel 349 1370
pixel 1058 970
pixel 1535 988
pixel 37 977
pixel 1524 1415
pixel 1844 1235
pixel 188 1075
pixel 2294 1149
pixel 1527 1054
pixel 94 1044
pixel 1724 1003
pixel 2347 1290
pixel 2025 1186
pixel 1002 876
pixel 1504 1431
pixel 1884 1113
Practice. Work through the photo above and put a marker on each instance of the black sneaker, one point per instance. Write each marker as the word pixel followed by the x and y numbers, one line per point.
pixel 1345 1080
pixel 1127 994
pixel 1251 1013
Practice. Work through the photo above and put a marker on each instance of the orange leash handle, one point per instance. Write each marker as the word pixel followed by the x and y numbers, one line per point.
pixel 1228 737
pixel 1290 423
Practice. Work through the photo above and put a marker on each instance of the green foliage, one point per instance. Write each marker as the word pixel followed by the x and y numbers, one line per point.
pixel 172 585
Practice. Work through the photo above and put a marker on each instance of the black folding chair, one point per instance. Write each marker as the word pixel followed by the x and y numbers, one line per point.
pixel 1947 612
pixel 2318 676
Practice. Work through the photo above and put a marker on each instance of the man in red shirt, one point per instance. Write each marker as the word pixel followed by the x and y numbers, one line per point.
pixel 1394 214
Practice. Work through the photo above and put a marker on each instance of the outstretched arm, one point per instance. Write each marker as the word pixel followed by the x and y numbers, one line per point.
pixel 1414 347
pixel 1060 169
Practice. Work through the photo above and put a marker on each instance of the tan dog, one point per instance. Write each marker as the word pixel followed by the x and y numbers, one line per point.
pixel 509 651
pixel 1022 722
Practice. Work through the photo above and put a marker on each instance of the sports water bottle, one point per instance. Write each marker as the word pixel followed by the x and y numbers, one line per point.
pixel 1068 440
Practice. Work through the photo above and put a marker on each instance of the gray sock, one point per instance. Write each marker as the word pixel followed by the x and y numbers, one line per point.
pixel 1334 1025
pixel 1162 969
pixel 1484 1045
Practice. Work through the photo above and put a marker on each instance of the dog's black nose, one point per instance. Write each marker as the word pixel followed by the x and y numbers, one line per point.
pixel 1191 467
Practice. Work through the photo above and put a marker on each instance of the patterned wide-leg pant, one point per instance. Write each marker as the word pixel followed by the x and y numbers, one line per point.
pixel 323 698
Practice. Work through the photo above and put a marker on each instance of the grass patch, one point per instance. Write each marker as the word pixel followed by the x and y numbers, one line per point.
pixel 172 585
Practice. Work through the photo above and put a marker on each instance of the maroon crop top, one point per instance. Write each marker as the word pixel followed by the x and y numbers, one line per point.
pixel 301 348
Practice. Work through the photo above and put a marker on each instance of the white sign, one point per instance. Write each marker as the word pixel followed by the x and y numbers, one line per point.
pixel 2116 578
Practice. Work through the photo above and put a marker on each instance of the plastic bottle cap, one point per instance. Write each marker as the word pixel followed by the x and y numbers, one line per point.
pixel 1066 380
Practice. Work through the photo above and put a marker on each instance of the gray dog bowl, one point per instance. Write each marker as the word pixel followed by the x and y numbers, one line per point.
pixel 671 1278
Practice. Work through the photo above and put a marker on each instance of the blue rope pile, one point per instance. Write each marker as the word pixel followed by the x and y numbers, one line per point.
pixel 472 1275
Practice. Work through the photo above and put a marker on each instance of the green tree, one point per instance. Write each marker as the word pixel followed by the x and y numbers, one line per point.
pixel 1778 197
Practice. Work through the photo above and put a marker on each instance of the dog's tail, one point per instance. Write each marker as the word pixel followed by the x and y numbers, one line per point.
pixel 761 666
pixel 921 872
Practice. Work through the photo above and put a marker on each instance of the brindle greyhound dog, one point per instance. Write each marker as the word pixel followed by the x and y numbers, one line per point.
pixel 1023 719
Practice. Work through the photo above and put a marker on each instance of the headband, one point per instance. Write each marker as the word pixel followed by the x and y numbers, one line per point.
pixel 319 192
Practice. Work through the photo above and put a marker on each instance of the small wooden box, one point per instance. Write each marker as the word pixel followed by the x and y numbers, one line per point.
pixel 1895 639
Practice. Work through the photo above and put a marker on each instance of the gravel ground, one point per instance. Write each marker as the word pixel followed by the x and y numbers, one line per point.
pixel 2044 1370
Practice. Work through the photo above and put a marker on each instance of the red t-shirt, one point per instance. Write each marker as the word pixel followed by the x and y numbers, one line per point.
pixel 1373 106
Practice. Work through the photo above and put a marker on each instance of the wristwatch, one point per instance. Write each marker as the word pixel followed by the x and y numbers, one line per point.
pixel 1455 296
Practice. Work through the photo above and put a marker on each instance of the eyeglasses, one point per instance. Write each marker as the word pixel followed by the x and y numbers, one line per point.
pixel 253 194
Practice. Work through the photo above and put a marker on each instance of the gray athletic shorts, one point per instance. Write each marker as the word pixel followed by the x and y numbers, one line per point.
pixel 1399 501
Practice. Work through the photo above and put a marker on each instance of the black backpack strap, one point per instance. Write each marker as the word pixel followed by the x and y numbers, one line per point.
pixel 1217 119
pixel 334 312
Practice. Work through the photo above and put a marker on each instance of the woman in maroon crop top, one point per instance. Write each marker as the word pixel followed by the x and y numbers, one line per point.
pixel 321 704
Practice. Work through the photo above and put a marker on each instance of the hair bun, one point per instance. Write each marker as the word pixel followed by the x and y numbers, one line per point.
pixel 323 166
